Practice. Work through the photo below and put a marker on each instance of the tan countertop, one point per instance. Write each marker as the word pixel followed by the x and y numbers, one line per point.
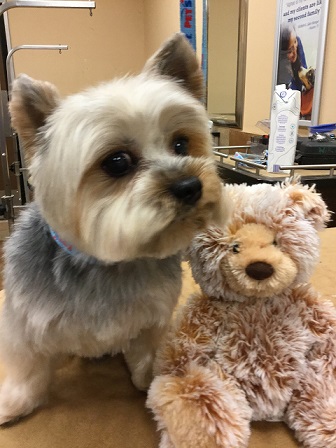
pixel 94 405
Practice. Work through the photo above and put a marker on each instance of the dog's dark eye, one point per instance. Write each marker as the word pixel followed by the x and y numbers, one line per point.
pixel 118 164
pixel 235 248
pixel 181 146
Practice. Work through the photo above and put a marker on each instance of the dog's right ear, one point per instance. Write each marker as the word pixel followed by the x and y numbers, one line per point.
pixel 177 59
pixel 31 103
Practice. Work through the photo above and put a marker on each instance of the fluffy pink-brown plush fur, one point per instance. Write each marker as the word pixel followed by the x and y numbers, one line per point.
pixel 257 343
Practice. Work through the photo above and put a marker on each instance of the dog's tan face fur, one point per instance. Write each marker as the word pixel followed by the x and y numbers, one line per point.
pixel 103 162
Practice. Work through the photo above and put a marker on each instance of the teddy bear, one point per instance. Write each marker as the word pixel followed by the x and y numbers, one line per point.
pixel 257 342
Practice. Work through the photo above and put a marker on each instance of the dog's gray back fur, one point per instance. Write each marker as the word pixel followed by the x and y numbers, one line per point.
pixel 49 289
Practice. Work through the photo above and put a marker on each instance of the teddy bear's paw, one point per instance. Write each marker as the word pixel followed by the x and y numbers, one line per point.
pixel 165 441
pixel 200 410
pixel 312 415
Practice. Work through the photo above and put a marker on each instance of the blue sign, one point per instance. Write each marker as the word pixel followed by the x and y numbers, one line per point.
pixel 205 42
pixel 188 20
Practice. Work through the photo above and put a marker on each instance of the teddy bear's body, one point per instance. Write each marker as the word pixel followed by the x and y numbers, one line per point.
pixel 257 343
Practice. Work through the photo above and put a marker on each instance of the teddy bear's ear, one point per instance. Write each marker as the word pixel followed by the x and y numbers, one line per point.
pixel 307 201
pixel 205 255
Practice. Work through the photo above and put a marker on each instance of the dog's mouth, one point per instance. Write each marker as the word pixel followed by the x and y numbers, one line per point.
pixel 179 201
pixel 179 231
pixel 195 201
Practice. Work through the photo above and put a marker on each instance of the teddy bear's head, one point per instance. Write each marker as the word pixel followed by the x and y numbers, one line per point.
pixel 269 244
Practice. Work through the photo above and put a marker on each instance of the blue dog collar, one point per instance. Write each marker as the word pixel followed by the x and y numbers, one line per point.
pixel 68 248
pixel 71 250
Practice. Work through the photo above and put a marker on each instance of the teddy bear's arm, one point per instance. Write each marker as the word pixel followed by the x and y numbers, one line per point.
pixel 311 412
pixel 195 402
pixel 192 338
pixel 199 409
pixel 312 409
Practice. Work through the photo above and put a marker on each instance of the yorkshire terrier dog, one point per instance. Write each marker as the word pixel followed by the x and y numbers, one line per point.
pixel 307 77
pixel 123 178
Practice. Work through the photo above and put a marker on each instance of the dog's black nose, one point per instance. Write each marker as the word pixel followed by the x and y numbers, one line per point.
pixel 187 190
pixel 259 270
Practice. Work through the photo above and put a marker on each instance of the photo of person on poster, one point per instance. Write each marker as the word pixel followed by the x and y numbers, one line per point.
pixel 299 51
pixel 293 70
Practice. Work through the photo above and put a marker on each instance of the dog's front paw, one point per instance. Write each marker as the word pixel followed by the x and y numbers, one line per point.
pixel 11 411
pixel 141 368
pixel 140 356
pixel 6 418
pixel 19 399
pixel 142 379
pixel 142 372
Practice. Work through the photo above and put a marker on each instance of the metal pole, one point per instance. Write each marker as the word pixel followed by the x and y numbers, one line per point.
pixel 10 75
pixel 7 199
pixel 10 78
pixel 45 4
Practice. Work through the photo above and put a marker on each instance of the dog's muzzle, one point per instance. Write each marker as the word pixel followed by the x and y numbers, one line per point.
pixel 187 190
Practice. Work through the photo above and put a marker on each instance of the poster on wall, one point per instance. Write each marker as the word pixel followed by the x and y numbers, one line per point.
pixel 299 52
pixel 188 20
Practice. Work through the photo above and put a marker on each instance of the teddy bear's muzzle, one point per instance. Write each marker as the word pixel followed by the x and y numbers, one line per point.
pixel 259 270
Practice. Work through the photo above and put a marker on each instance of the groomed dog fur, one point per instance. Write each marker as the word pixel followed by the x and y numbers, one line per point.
pixel 123 178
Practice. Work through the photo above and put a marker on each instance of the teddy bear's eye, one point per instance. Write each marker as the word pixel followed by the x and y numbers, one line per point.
pixel 235 248
pixel 275 243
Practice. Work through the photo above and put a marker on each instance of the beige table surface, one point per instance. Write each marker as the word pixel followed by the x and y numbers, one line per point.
pixel 94 405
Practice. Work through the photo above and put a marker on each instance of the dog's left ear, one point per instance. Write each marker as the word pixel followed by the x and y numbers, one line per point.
pixel 177 59
pixel 31 103
pixel 306 200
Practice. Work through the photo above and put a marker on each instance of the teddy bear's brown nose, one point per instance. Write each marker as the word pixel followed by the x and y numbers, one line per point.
pixel 259 270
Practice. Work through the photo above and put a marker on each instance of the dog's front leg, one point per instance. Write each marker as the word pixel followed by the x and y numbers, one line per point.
pixel 25 387
pixel 140 356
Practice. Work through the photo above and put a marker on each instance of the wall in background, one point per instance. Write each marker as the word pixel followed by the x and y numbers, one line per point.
pixel 110 43
pixel 116 40
pixel 162 19
pixel 122 34
pixel 223 39
pixel 259 62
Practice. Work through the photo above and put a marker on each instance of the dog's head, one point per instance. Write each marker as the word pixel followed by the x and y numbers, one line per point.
pixel 123 170
pixel 307 77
